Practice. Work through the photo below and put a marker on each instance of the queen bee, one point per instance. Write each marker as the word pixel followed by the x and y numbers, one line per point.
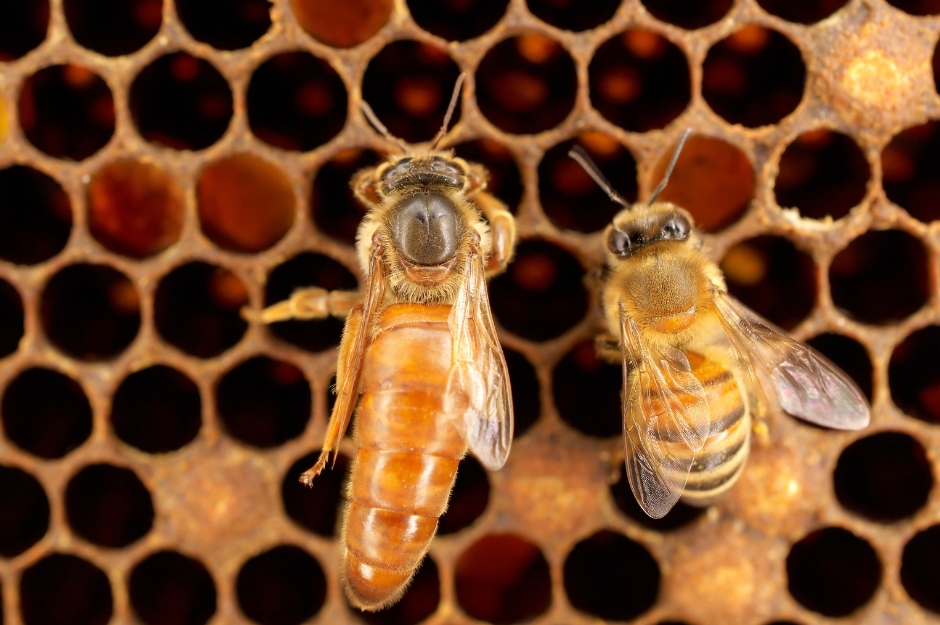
pixel 698 365
pixel 419 357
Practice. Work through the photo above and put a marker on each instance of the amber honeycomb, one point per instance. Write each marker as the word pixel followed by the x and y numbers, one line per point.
pixel 163 164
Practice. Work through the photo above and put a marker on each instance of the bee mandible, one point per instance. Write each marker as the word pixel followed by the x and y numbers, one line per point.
pixel 419 361
pixel 698 365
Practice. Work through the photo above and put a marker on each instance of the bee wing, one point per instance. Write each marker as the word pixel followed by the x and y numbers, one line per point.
pixel 807 385
pixel 664 406
pixel 479 380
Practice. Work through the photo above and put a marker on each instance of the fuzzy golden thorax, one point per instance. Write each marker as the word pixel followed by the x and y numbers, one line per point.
pixel 424 262
pixel 657 273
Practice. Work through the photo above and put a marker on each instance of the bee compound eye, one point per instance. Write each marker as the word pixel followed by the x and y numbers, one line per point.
pixel 676 229
pixel 619 243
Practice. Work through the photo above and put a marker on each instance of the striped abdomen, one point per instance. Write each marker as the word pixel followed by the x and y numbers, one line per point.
pixel 408 453
pixel 719 462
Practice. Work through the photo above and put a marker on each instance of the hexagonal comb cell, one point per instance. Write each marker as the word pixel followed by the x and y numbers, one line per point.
pixel 919 571
pixel 24 517
pixel 135 208
pixel 181 101
pixel 502 579
pixel 113 27
pixel 408 84
pixel 35 216
pixel 67 111
pixel 639 80
pixel 334 209
pixel 63 589
pixel 169 587
pixel 914 375
pixel 917 7
pixel 581 374
pixel 11 319
pixel 457 20
pixel 284 585
pixel 570 198
pixel 223 24
pixel 342 24
pixel 526 403
pixel 910 169
pixel 23 28
pixel 315 507
pixel 753 65
pixel 802 12
pixel 246 204
pixel 526 84
pixel 296 101
pixel 689 15
pixel 572 15
pixel 108 505
pixel 468 499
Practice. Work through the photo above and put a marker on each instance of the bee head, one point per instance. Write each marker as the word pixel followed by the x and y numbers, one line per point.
pixel 641 225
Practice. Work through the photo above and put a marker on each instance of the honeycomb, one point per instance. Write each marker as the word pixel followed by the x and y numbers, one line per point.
pixel 164 163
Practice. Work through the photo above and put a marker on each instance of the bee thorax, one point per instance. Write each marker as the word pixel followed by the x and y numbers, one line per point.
pixel 663 290
pixel 425 229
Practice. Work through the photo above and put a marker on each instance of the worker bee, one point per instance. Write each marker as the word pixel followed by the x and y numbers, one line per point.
pixel 697 362
pixel 419 361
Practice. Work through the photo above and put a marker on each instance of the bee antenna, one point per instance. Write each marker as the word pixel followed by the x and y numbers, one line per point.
pixel 450 110
pixel 672 165
pixel 378 125
pixel 581 158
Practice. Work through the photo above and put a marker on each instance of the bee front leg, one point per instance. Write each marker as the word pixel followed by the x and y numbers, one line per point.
pixel 502 232
pixel 307 303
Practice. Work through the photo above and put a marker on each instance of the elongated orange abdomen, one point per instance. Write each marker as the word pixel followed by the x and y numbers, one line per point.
pixel 408 453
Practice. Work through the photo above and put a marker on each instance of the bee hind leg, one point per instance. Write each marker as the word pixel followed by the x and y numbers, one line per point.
pixel 307 303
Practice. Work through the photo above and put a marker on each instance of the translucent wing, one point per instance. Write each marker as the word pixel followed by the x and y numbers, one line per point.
pixel 479 380
pixel 665 419
pixel 806 384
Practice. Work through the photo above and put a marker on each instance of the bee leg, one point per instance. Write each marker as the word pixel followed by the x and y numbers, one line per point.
pixel 502 232
pixel 308 303
pixel 607 349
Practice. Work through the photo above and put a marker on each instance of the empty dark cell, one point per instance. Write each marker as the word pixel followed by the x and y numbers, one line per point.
pixel 772 277
pixel 880 277
pixel 282 586
pixel 296 101
pixel 157 410
pixel 884 477
pixel 23 27
pixel 754 77
pixel 541 296
pixel 681 514
pixel 409 84
pixel 935 63
pixel 468 499
pixel 45 413
pixel 304 270
pixel 526 399
pixel 196 308
pixel 917 7
pixel 457 20
pixel 90 312
pixel 135 208
pixel 11 318
pixel 914 375
pixel 264 402
pixel 181 101
pixel 342 24
pixel 223 24
pixel 639 80
pixel 113 27
pixel 911 170
pixel 570 198
pixel 802 12
pixel 67 111
pixel 822 173
pixel 315 507
pixel 504 180
pixel 246 204
pixel 419 601
pixel 690 15
pixel 848 355
pixel 598 570
pixel 62 589
pixel 503 579
pixel 526 84
pixel 572 15
pixel 24 511
pixel 920 568
pixel 335 211
pixel 168 588
pixel 587 392
pixel 35 216
pixel 832 571
pixel 108 505
pixel 713 180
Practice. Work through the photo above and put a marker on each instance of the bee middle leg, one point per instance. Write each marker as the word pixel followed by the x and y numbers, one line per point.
pixel 502 232
pixel 307 303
